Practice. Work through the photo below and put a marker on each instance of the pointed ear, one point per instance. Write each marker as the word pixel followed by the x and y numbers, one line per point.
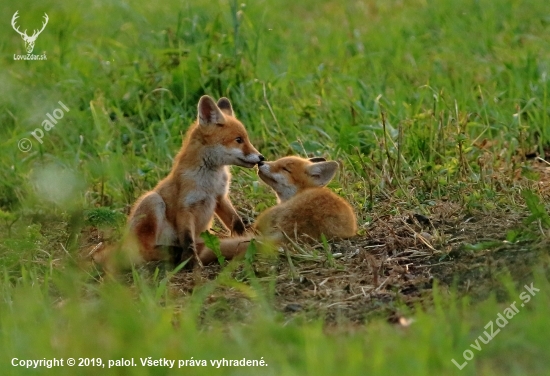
pixel 209 113
pixel 317 159
pixel 322 172
pixel 225 105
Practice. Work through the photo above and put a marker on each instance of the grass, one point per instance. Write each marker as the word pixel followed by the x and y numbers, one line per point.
pixel 427 104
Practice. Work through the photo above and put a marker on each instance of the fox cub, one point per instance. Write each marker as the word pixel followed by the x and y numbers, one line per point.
pixel 305 206
pixel 183 204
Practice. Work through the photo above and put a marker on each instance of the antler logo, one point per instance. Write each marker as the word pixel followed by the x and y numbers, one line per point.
pixel 29 40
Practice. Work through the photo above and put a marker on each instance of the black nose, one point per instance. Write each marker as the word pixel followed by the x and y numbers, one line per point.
pixel 262 158
pixel 260 163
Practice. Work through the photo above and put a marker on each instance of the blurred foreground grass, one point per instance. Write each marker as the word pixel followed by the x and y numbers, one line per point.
pixel 114 322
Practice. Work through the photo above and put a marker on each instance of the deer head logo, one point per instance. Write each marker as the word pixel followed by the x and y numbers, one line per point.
pixel 29 40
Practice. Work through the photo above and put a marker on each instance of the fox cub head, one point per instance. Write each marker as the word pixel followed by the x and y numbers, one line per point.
pixel 223 136
pixel 290 175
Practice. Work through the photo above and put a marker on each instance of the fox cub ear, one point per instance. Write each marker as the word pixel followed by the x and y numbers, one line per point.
pixel 322 172
pixel 225 105
pixel 317 159
pixel 209 112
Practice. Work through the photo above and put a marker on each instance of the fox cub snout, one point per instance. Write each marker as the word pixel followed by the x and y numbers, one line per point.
pixel 182 205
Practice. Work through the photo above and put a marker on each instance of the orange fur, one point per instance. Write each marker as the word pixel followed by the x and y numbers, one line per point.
pixel 306 207
pixel 183 204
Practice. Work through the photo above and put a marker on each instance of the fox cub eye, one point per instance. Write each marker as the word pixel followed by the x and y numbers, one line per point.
pixel 286 169
pixel 239 140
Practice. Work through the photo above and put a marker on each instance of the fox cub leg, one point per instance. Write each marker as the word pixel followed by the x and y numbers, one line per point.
pixel 186 225
pixel 191 218
pixel 229 216
pixel 148 224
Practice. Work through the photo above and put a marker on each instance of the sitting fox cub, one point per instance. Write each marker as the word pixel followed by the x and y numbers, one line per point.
pixel 182 205
pixel 306 206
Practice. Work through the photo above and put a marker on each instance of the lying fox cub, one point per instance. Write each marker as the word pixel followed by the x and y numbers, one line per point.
pixel 183 204
pixel 305 206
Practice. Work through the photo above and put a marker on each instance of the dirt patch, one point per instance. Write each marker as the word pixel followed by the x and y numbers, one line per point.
pixel 394 263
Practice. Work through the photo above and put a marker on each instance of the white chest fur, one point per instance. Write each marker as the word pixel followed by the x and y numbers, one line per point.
pixel 208 185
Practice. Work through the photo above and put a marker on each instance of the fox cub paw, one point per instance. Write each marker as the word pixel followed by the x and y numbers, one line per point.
pixel 238 227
